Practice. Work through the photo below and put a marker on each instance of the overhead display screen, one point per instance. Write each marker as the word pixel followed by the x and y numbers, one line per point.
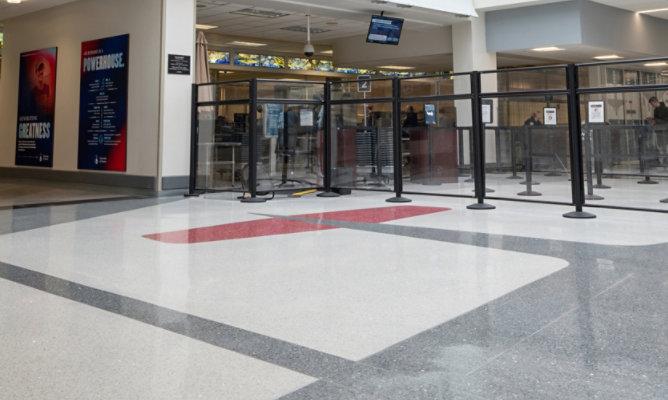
pixel 384 30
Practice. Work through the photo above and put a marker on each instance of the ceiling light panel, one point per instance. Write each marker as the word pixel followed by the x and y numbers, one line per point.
pixel 256 12
pixel 296 28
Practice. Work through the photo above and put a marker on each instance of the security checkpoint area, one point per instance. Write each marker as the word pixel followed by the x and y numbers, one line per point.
pixel 430 135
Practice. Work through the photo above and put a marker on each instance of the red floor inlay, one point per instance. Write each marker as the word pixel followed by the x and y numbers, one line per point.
pixel 279 226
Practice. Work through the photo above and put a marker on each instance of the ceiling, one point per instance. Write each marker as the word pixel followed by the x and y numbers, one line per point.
pixel 343 18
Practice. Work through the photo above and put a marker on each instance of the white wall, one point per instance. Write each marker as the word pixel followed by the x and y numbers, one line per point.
pixel 178 38
pixel 66 27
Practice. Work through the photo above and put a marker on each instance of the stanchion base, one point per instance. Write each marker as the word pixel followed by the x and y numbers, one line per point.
pixel 514 177
pixel 191 195
pixel 579 214
pixel 328 194
pixel 398 199
pixel 553 174
pixel 469 180
pixel 648 181
pixel 529 193
pixel 532 182
pixel 481 206
pixel 487 190
pixel 664 201
pixel 601 186
pixel 593 197
pixel 253 200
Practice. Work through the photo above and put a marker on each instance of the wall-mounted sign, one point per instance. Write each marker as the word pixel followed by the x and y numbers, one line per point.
pixel 364 83
pixel 37 98
pixel 596 112
pixel 178 64
pixel 550 116
pixel 103 105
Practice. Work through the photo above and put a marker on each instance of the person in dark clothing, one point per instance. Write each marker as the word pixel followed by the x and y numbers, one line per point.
pixel 534 119
pixel 660 117
pixel 411 117
pixel 660 111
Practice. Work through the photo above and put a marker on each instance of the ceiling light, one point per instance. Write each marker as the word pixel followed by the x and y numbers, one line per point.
pixel 608 57
pixel 296 28
pixel 398 67
pixel 656 64
pixel 328 52
pixel 652 11
pixel 205 27
pixel 14 1
pixel 254 12
pixel 549 48
pixel 246 44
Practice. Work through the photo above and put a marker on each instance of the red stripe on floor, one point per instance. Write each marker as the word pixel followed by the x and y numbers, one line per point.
pixel 280 226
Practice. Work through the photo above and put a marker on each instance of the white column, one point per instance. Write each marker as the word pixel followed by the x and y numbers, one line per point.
pixel 178 38
pixel 469 53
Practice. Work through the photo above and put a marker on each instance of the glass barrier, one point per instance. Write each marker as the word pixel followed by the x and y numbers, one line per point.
pixel 290 90
pixel 625 149
pixel 446 85
pixel 222 148
pixel 290 150
pixel 224 91
pixel 527 145
pixel 623 74
pixel 436 147
pixel 363 89
pixel 362 140
pixel 523 80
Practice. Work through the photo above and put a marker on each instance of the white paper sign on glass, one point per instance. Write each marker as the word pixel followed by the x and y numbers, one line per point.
pixel 306 117
pixel 596 112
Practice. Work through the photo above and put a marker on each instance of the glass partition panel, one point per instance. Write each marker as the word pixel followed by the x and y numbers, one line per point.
pixel 436 147
pixel 290 90
pixel 222 148
pixel 363 89
pixel 362 152
pixel 623 74
pixel 523 80
pixel 527 151
pixel 290 151
pixel 436 86
pixel 224 91
pixel 625 149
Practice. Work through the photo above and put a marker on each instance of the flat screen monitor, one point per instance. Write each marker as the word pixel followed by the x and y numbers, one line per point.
pixel 384 30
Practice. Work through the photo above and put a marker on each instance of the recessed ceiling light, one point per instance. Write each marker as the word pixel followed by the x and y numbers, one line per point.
pixel 549 48
pixel 328 52
pixel 608 57
pixel 254 12
pixel 245 44
pixel 656 64
pixel 296 28
pixel 652 11
pixel 395 67
pixel 14 1
pixel 205 27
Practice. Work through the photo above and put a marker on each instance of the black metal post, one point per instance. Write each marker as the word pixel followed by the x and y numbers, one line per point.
pixel 575 128
pixel 528 164
pixel 194 142
pixel 396 145
pixel 252 147
pixel 513 154
pixel 478 145
pixel 327 145
pixel 598 156
pixel 588 167
pixel 644 157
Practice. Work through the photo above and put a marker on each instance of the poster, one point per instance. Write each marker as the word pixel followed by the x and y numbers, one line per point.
pixel 37 99
pixel 103 104
pixel 430 114
pixel 273 119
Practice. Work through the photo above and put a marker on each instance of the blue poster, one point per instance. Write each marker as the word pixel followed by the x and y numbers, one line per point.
pixel 103 107
pixel 273 119
pixel 37 99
